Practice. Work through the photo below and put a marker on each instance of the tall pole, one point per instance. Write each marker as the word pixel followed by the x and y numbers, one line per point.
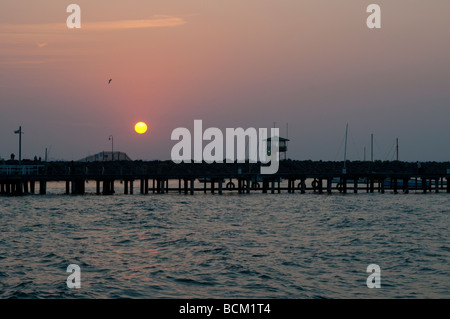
pixel 345 151
pixel 371 147
pixel 111 138
pixel 19 131
pixel 397 149
pixel 20 145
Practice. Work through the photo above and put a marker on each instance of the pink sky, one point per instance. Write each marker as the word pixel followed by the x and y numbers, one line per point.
pixel 249 63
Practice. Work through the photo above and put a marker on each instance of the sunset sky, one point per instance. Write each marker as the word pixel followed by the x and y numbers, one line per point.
pixel 313 64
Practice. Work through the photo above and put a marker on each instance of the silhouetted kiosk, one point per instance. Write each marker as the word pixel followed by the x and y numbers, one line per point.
pixel 282 146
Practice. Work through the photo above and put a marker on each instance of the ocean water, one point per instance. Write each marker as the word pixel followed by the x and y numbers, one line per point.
pixel 230 246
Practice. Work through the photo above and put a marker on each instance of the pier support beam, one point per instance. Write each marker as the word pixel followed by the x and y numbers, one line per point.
pixel 291 185
pixel 32 187
pixel 303 186
pixel 161 188
pixel 424 185
pixel 73 187
pixel 42 187
pixel 320 186
pixel 406 185
pixel 344 185
pixel 106 190
pixel 220 186
pixel 82 186
pixel 108 187
pixel 19 188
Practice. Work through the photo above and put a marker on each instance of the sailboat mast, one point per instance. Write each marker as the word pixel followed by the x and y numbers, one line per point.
pixel 345 150
pixel 371 147
pixel 397 149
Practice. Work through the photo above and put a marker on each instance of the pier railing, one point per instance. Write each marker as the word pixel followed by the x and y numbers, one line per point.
pixel 17 170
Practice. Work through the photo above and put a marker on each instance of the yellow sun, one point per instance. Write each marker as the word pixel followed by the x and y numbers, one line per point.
pixel 140 127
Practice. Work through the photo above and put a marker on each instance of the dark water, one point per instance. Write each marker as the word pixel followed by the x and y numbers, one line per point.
pixel 230 246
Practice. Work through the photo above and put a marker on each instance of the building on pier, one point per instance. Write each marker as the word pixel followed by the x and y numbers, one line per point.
pixel 282 146
pixel 106 157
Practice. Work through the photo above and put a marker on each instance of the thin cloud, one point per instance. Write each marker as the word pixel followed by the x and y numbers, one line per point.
pixel 156 22
pixel 28 61
pixel 24 62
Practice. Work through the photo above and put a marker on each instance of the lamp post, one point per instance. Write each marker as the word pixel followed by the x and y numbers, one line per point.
pixel 111 138
pixel 19 131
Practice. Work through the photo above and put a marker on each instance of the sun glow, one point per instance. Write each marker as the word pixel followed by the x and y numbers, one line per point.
pixel 140 127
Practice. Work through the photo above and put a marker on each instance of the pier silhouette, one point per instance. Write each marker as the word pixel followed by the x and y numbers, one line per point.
pixel 242 178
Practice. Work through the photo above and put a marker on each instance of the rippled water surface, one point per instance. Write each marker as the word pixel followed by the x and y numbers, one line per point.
pixel 229 246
